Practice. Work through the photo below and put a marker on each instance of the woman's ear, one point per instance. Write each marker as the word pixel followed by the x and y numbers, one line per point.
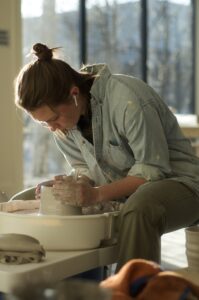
pixel 74 91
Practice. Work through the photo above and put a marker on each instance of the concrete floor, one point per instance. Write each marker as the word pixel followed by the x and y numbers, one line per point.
pixel 173 250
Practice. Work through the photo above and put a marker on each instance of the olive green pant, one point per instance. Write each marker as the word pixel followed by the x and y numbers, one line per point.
pixel 155 208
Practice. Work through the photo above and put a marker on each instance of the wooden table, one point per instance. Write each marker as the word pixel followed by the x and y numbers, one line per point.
pixel 189 125
pixel 191 131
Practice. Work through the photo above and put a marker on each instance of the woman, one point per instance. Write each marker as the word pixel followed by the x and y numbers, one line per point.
pixel 122 142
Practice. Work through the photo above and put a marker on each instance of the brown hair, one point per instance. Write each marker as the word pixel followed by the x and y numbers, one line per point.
pixel 48 81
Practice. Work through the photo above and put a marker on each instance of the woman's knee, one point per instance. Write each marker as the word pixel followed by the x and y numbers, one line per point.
pixel 141 205
pixel 140 201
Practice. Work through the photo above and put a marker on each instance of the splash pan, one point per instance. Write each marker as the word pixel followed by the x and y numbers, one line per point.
pixel 78 232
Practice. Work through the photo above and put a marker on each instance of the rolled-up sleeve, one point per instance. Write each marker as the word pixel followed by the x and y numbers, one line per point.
pixel 146 138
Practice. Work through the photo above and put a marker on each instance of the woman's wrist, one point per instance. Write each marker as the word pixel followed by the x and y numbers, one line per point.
pixel 98 195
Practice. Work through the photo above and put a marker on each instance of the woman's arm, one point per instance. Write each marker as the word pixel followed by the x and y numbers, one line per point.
pixel 118 189
pixel 80 192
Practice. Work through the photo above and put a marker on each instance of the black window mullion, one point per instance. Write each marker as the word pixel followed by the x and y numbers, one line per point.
pixel 144 39
pixel 193 95
pixel 82 33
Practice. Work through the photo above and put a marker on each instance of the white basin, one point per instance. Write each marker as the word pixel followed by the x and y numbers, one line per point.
pixel 62 232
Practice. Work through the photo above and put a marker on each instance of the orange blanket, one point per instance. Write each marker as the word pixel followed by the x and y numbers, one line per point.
pixel 144 280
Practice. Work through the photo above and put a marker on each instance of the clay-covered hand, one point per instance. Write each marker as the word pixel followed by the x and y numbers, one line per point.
pixel 75 191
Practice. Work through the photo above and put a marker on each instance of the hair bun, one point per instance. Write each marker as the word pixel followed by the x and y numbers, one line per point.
pixel 42 52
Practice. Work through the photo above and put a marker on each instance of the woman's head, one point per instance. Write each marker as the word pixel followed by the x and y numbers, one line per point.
pixel 49 83
pixel 46 80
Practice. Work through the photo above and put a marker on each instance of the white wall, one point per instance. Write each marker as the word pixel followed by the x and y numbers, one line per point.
pixel 10 126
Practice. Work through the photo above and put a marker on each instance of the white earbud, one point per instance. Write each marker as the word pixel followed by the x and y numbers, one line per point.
pixel 75 99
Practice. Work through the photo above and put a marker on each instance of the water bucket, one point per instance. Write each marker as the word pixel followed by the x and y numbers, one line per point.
pixel 192 247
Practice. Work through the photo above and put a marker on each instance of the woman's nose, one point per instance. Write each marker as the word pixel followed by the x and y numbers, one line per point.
pixel 53 127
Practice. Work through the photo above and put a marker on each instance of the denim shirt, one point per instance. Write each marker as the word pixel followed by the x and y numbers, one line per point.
pixel 134 133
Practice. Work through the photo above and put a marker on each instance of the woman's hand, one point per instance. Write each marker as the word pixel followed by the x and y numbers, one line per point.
pixel 75 191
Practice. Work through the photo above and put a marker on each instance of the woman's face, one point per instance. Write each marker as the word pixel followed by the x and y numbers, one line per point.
pixel 62 117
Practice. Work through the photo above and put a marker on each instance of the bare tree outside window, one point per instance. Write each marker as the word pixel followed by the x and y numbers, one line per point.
pixel 170 69
pixel 114 34
pixel 114 37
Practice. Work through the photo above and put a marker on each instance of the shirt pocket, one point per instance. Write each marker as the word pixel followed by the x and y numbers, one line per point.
pixel 119 157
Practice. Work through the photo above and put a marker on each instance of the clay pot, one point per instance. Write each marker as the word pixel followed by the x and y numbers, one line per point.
pixel 50 206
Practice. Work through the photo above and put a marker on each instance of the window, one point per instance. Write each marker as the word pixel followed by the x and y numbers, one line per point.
pixel 114 35
pixel 170 52
pixel 150 39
